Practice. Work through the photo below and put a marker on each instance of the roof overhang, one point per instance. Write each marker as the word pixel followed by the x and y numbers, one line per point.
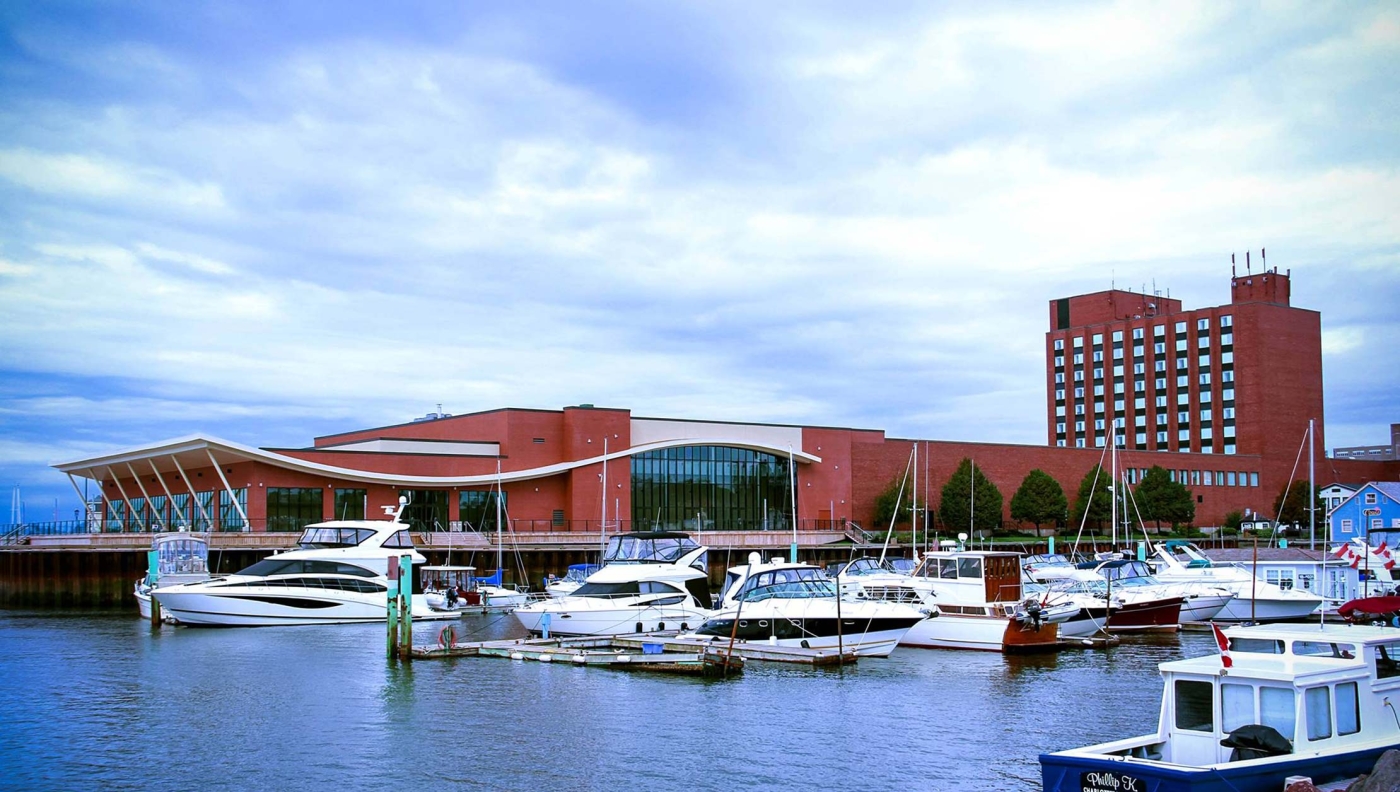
pixel 195 451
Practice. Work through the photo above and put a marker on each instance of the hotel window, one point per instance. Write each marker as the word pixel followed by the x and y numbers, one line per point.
pixel 1204 361
pixel 1079 358
pixel 1098 339
pixel 1059 428
pixel 1059 344
pixel 1183 398
pixel 1140 420
pixel 1161 383
pixel 1060 443
pixel 1158 331
pixel 1181 327
pixel 1161 401
pixel 1098 390
pixel 1228 394
pixel 1181 381
pixel 1078 393
pixel 1079 342
pixel 1203 324
pixel 1227 339
pixel 1253 479
pixel 1141 438
pixel 1205 396
pixel 1205 414
pixel 1205 378
pixel 1118 405
pixel 1159 348
pixel 1205 433
pixel 1139 386
pixel 1195 477
pixel 1060 394
pixel 1183 417
pixel 1227 357
pixel 1060 410
pixel 1162 439
pixel 1230 478
pixel 1098 373
pixel 1181 364
pixel 1203 342
pixel 1060 377
pixel 1059 361
pixel 1160 365
pixel 1098 425
pixel 1117 336
pixel 1137 351
pixel 1098 407
pixel 1183 436
pixel 1078 376
pixel 1161 419
pixel 1078 426
pixel 1117 387
pixel 1079 443
pixel 1227 376
pixel 1227 321
pixel 1117 353
pixel 1181 345
pixel 1137 333
pixel 1098 355
pixel 1139 404
pixel 1138 368
pixel 1079 409
pixel 1207 478
pixel 1229 432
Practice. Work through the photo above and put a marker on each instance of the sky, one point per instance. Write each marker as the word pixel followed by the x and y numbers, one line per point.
pixel 270 221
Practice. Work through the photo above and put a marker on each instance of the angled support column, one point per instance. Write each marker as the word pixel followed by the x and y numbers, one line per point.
pixel 126 499
pixel 232 496
pixel 155 517
pixel 204 515
pixel 179 513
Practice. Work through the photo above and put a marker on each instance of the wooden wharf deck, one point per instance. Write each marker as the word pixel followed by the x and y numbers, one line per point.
pixel 639 649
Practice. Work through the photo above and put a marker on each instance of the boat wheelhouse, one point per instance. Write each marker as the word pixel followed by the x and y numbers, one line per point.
pixel 1282 700
pixel 180 557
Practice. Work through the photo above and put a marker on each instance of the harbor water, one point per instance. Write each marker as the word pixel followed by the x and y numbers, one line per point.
pixel 101 701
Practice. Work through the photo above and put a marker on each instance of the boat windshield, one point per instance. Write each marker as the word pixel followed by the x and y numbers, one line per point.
pixel 607 590
pixel 787 584
pixel 579 572
pixel 1046 559
pixel 865 566
pixel 1125 571
pixel 183 554
pixel 658 548
pixel 315 538
pixel 276 566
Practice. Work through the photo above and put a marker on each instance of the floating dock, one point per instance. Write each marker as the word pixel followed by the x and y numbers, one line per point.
pixel 640 652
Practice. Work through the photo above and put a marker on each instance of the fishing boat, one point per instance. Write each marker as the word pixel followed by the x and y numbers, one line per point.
pixel 1278 701
pixel 178 558
pixel 793 604
pixel 337 575
pixel 650 581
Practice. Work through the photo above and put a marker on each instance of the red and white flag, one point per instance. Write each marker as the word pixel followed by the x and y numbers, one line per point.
pixel 1385 553
pixel 1223 643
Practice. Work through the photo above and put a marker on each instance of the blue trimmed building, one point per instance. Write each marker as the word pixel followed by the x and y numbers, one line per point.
pixel 1372 509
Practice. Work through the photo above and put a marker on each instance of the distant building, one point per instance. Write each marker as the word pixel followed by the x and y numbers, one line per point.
pixel 1372 512
pixel 1378 453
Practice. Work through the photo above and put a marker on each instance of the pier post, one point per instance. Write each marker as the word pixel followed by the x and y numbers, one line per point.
pixel 152 578
pixel 392 617
pixel 406 604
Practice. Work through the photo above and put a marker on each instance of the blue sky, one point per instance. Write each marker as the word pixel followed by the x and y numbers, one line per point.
pixel 271 221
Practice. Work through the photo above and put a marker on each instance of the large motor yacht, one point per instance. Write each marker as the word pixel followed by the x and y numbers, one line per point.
pixel 650 581
pixel 1255 600
pixel 338 574
pixel 790 604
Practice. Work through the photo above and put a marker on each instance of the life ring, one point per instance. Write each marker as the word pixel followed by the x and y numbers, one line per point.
pixel 447 637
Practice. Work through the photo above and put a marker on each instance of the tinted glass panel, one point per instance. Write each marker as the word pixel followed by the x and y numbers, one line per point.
pixel 710 488
pixel 1193 706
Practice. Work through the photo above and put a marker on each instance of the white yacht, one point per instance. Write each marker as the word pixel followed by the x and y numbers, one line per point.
pixel 338 574
pixel 789 604
pixel 1200 601
pixel 573 578
pixel 649 582
pixel 1254 599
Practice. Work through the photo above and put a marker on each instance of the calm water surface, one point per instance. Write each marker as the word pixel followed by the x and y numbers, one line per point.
pixel 103 702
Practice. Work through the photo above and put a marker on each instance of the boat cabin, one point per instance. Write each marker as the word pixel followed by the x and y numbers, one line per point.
pixel 972 576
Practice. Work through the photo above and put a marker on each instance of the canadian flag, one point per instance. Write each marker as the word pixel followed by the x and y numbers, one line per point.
pixel 1343 552
pixel 1223 644
pixel 1385 553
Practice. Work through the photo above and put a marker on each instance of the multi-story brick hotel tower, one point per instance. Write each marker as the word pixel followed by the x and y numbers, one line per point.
pixel 1242 378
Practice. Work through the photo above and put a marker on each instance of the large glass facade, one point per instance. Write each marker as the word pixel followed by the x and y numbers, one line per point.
pixel 293 508
pixel 478 509
pixel 426 510
pixel 230 518
pixel 710 488
pixel 349 504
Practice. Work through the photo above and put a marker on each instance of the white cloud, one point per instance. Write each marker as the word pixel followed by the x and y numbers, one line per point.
pixel 82 176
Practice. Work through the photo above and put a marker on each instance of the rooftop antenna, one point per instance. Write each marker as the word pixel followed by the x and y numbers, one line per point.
pixel 1232 265
pixel 1246 262
pixel 1263 262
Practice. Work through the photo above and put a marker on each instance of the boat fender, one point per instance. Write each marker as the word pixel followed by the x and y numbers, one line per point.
pixel 447 637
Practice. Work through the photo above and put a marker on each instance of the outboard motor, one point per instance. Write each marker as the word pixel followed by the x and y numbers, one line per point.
pixel 1033 612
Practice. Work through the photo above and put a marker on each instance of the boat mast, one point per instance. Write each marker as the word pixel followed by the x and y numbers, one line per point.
pixel 972 499
pixel 792 479
pixel 603 524
pixel 1113 482
pixel 500 550
pixel 914 507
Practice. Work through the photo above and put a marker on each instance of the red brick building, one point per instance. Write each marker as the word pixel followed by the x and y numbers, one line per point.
pixel 1220 396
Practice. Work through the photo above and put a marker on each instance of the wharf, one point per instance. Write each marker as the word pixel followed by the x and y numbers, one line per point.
pixel 639 649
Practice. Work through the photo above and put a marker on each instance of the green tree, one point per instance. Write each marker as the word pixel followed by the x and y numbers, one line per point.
pixel 1039 499
pixel 1094 484
pixel 885 504
pixel 956 504
pixel 1160 499
pixel 1291 505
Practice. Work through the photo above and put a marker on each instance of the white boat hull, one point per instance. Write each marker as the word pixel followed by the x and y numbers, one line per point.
pixel 265 606
pixel 1243 609
pixel 587 616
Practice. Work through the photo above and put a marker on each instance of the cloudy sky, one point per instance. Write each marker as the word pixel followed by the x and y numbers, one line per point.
pixel 267 222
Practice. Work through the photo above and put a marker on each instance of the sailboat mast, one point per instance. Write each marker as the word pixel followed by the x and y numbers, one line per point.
pixel 1113 486
pixel 972 498
pixel 914 507
pixel 603 523
pixel 792 479
pixel 1312 493
pixel 500 549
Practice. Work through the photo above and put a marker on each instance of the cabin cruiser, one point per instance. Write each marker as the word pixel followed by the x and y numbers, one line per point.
pixel 791 604
pixel 1254 599
pixel 1138 607
pixel 576 575
pixel 179 557
pixel 1200 602
pixel 1279 700
pixel 338 574
pixel 1046 567
pixel 979 600
pixel 650 581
